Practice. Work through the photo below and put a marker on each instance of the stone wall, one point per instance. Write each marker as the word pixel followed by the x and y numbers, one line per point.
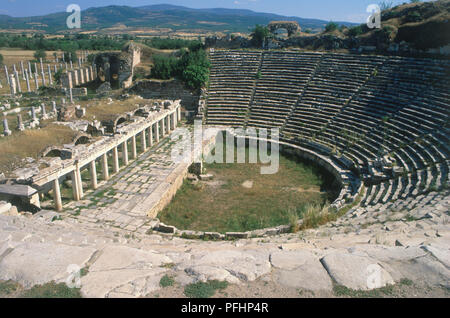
pixel 172 89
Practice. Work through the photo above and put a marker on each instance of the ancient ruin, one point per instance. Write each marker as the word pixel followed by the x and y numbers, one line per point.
pixel 291 27
pixel 105 169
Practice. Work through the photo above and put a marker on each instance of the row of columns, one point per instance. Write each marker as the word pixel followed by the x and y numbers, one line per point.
pixel 78 77
pixel 149 136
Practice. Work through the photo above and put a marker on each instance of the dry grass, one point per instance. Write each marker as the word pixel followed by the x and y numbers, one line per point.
pixel 102 111
pixel 30 143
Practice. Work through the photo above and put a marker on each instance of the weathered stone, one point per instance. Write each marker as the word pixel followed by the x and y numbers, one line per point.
pixel 38 263
pixel 356 272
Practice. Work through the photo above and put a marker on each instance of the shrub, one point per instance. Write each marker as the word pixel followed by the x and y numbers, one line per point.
pixel 355 31
pixel 204 290
pixel 166 281
pixel 70 55
pixel 40 54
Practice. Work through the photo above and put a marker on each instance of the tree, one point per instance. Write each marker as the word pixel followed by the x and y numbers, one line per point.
pixel 1 59
pixel 330 27
pixel 164 67
pixel 385 5
pixel 40 54
pixel 259 35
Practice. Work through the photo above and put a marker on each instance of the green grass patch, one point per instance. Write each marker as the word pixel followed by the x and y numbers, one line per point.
pixel 204 290
pixel 166 281
pixel 8 288
pixel 52 290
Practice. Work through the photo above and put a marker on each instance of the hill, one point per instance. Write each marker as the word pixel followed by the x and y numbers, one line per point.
pixel 175 18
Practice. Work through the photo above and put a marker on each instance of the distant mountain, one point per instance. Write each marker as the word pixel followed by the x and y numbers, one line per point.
pixel 159 16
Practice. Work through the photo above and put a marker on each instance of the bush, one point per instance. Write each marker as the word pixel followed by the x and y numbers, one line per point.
pixel 259 35
pixel 330 27
pixel 70 55
pixel 355 31
pixel 166 281
pixel 40 54
pixel 204 290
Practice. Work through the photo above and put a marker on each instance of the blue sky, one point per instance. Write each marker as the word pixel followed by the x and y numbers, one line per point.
pixel 336 10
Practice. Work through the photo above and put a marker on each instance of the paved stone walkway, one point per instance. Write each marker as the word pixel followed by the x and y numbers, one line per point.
pixel 114 202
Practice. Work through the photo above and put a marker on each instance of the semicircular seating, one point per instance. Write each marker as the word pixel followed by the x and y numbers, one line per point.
pixel 385 118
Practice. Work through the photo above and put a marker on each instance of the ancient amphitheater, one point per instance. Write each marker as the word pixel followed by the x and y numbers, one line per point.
pixel 379 124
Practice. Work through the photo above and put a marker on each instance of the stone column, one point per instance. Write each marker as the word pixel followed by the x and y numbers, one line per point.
pixel 79 62
pixel 7 75
pixel 43 112
pixel 150 136
pixel 12 84
pixel 144 141
pixel 105 169
pixel 27 79
pixel 93 170
pixel 57 195
pixel 88 79
pixel 6 131
pixel 169 123
pixel 22 69
pixel 36 82
pixel 179 113
pixel 91 73
pixel 50 80
pixel 75 79
pixel 175 120
pixel 54 110
pixel 33 114
pixel 71 65
pixel 133 147
pixel 30 72
pixel 80 183
pixel 115 160
pixel 81 76
pixel 75 187
pixel 163 127
pixel 19 87
pixel 43 79
pixel 71 95
pixel 157 132
pixel 42 65
pixel 125 152
pixel 20 125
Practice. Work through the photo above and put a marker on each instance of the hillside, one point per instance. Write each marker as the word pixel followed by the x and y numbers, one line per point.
pixel 174 18
pixel 421 26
